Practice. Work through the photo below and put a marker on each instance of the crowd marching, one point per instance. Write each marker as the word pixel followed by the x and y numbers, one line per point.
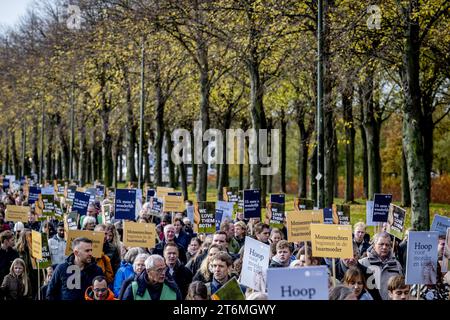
pixel 184 265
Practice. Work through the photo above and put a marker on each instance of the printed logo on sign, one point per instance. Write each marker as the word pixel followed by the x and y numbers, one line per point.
pixel 74 280
pixel 74 21
pixel 374 20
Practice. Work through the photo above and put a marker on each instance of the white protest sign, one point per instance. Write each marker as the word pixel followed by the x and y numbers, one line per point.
pixel 255 264
pixel 306 283
pixel 227 210
pixel 422 256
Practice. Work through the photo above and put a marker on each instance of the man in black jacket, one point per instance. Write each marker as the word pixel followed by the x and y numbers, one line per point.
pixel 7 252
pixel 169 237
pixel 175 270
pixel 71 278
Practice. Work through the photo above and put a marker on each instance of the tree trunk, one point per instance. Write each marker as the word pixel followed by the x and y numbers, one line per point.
pixel 312 175
pixel 283 128
pixel 5 166
pixel 159 134
pixel 106 157
pixel 418 176
pixel 131 128
pixel 406 196
pixel 224 175
pixel 82 150
pixel 48 156
pixel 14 156
pixel 184 184
pixel 194 170
pixel 347 99
pixel 59 174
pixel 365 169
pixel 172 182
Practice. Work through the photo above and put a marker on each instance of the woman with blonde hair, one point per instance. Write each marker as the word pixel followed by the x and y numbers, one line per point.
pixel 204 273
pixel 16 285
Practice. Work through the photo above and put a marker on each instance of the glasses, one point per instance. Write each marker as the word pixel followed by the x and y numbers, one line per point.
pixel 100 289
pixel 159 271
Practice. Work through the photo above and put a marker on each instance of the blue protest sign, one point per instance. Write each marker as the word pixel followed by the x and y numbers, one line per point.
pixel 5 183
pixel 278 198
pixel 440 224
pixel 33 194
pixel 369 214
pixel 125 204
pixel 306 283
pixel 328 215
pixel 100 191
pixel 81 202
pixel 252 203
pixel 381 204
pixel 190 213
pixel 150 193
pixel 422 256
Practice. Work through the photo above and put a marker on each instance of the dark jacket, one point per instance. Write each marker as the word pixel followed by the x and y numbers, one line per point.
pixel 159 249
pixel 153 290
pixel 12 288
pixel 362 247
pixel 58 286
pixel 36 226
pixel 183 239
pixel 274 263
pixel 182 277
pixel 194 264
pixel 114 255
pixel 6 259
pixel 125 285
pixel 240 241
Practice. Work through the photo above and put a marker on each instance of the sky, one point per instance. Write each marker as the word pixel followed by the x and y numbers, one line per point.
pixel 12 10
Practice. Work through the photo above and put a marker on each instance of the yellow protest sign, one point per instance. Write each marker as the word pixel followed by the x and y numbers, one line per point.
pixel 96 237
pixel 39 205
pixel 331 241
pixel 36 244
pixel 173 203
pixel 139 234
pixel 298 224
pixel 163 191
pixel 17 213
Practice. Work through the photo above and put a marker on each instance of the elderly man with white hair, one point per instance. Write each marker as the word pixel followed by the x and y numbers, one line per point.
pixel 169 237
pixel 153 284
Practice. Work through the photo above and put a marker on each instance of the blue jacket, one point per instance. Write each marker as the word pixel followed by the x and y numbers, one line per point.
pixel 58 287
pixel 125 271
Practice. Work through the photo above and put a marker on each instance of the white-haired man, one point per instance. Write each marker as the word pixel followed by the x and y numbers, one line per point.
pixel 169 237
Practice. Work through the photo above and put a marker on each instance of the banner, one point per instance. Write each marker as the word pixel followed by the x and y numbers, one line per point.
pixel 328 215
pixel 97 238
pixel 303 204
pixel 229 291
pixel 341 214
pixel 396 221
pixel 421 259
pixel 331 241
pixel 306 283
pixel 255 264
pixel 81 202
pixel 299 224
pixel 440 224
pixel 381 204
pixel 150 193
pixel 17 213
pixel 252 203
pixel 125 204
pixel 36 247
pixel 205 214
pixel 173 204
pixel 141 235
pixel 369 214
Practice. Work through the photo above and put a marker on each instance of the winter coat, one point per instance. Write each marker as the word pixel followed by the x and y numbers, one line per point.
pixel 114 255
pixel 182 277
pixel 154 290
pixel 89 294
pixel 105 264
pixel 6 259
pixel 183 239
pixel 275 263
pixel 125 271
pixel 13 289
pixel 159 249
pixel 57 248
pixel 380 271
pixel 58 287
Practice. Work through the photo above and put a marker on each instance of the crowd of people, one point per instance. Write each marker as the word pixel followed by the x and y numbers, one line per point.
pixel 184 265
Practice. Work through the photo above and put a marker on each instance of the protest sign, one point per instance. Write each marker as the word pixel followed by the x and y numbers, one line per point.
pixel 138 206
pixel 299 224
pixel 100 191
pixel 17 213
pixel 156 206
pixel 331 241
pixel 252 203
pixel 369 214
pixel 59 210
pixel 231 194
pixel 276 215
pixel 81 202
pixel 125 204
pixel 328 215
pixel 71 221
pixel 190 213
pixel 205 212
pixel 46 260
pixel 381 204
pixel 396 221
pixel 173 204
pixel 48 197
pixel 421 259
pixel 70 194
pixel 97 239
pixel 229 291
pixel 5 184
pixel 341 214
pixel 39 205
pixel 163 191
pixel 303 204
pixel 11 178
pixel 36 247
pixel 150 193
pixel 224 210
pixel 306 283
pixel 440 224
pixel 255 264
pixel 106 213
pixel 92 192
pixel 446 256
pixel 141 235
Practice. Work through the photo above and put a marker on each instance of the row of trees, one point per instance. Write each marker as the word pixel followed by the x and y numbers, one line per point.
pixel 235 63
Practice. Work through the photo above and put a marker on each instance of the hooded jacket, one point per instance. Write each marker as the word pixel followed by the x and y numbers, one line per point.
pixel 125 271
pixel 153 290
pixel 89 294
pixel 58 287
pixel 379 271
